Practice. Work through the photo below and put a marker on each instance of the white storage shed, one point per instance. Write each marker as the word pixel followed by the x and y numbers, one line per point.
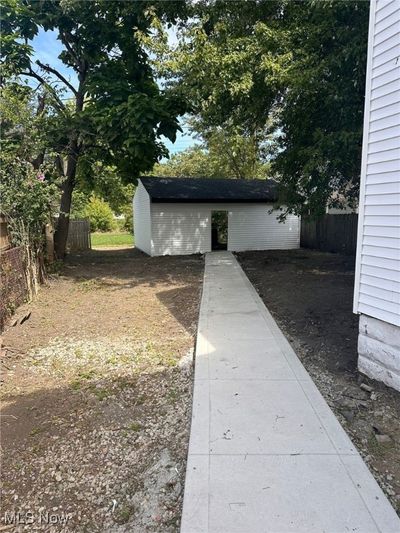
pixel 377 283
pixel 174 216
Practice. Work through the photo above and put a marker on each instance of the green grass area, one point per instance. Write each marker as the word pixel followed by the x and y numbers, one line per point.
pixel 112 238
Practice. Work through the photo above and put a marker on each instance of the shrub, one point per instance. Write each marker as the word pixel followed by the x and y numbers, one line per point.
pixel 128 218
pixel 100 215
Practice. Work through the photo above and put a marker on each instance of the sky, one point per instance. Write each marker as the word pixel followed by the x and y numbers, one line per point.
pixel 47 49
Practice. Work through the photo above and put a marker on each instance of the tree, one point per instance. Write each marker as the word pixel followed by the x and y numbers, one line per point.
pixel 105 182
pixel 115 111
pixel 194 162
pixel 220 156
pixel 288 71
pixel 318 150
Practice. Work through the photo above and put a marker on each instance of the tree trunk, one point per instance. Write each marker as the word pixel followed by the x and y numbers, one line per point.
pixel 61 233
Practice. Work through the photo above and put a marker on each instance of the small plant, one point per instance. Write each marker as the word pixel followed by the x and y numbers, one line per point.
pixel 135 426
pixel 173 394
pixel 123 514
pixel 101 394
pixel 76 385
pixel 35 431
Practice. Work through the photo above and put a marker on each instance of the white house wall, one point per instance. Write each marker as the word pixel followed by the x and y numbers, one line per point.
pixel 181 228
pixel 377 282
pixel 377 288
pixel 142 219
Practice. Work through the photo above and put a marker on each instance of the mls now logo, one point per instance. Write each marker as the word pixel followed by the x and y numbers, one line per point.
pixel 17 518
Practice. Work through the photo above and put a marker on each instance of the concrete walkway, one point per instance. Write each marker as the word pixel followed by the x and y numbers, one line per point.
pixel 266 453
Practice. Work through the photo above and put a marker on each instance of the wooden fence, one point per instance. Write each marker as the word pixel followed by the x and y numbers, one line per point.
pixel 79 235
pixel 4 239
pixel 330 233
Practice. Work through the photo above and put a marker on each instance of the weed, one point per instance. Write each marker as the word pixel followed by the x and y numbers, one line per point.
pixel 55 267
pixel 76 384
pixel 101 394
pixel 35 431
pixel 122 515
pixel 172 394
pixel 135 426
pixel 376 448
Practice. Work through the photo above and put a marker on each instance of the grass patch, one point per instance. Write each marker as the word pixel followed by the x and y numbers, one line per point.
pixel 112 238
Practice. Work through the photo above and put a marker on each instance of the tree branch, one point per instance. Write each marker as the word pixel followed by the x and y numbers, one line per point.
pixel 31 73
pixel 48 68
pixel 60 165
pixel 68 46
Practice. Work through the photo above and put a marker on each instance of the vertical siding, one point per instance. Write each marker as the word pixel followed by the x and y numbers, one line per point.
pixel 377 287
pixel 179 229
pixel 142 219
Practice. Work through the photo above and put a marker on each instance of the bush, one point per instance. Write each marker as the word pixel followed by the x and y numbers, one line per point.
pixel 128 218
pixel 100 215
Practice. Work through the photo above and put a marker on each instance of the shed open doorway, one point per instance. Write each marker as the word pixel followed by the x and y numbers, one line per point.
pixel 219 230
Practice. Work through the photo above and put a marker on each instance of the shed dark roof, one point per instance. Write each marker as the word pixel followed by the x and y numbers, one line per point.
pixel 210 190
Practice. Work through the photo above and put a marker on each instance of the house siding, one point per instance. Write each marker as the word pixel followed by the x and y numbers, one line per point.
pixel 377 289
pixel 142 219
pixel 186 228
pixel 377 282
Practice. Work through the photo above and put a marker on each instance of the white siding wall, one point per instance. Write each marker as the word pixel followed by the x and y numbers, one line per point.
pixel 377 287
pixel 142 219
pixel 254 227
pixel 180 229
pixel 186 228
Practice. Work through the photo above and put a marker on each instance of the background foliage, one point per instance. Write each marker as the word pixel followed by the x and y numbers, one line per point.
pixel 289 75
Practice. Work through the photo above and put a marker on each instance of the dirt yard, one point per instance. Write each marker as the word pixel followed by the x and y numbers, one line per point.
pixel 96 396
pixel 310 294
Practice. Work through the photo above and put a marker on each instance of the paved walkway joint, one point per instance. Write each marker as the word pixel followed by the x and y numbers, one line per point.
pixel 266 453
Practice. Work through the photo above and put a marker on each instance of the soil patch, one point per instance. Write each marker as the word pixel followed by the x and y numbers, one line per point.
pixel 96 396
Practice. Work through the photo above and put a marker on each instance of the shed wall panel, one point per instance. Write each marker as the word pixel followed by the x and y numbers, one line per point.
pixel 142 219
pixel 255 227
pixel 180 228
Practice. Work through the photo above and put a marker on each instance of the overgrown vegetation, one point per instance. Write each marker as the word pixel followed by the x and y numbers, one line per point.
pixel 28 189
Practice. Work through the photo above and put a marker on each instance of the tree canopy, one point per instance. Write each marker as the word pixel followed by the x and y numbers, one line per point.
pixel 272 88
pixel 112 109
pixel 289 70
pixel 221 155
